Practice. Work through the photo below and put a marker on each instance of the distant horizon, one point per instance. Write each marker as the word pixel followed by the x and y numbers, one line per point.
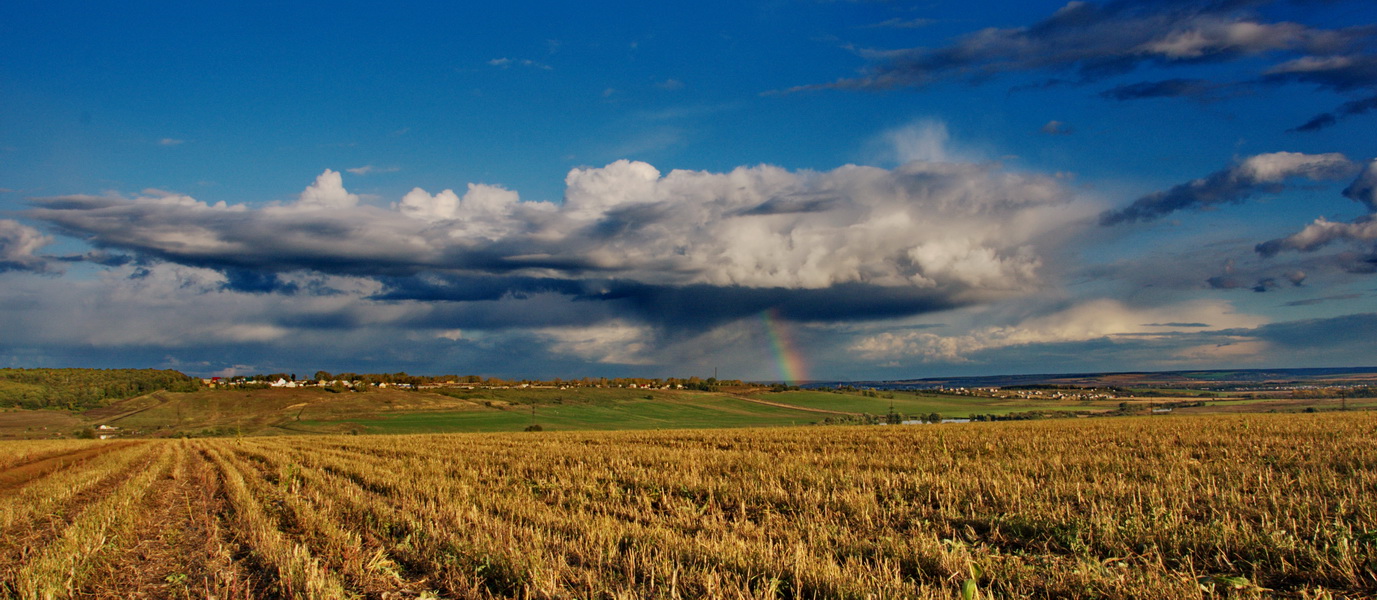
pixel 838 191
pixel 309 375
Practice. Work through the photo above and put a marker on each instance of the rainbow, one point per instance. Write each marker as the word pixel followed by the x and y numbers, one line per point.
pixel 792 368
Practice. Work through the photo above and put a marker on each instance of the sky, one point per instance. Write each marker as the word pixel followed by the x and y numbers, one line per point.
pixel 778 190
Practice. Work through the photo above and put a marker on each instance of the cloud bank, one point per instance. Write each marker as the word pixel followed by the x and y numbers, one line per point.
pixel 682 249
pixel 1090 320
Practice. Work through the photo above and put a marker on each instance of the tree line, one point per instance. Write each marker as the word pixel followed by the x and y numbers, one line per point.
pixel 81 389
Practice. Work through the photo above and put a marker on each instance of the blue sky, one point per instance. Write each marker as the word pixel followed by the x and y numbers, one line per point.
pixel 547 189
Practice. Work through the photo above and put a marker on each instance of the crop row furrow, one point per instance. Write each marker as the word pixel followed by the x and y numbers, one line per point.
pixel 298 573
pixel 64 565
pixel 54 492
pixel 326 526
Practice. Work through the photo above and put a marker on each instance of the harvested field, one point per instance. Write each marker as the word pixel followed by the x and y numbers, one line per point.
pixel 1178 507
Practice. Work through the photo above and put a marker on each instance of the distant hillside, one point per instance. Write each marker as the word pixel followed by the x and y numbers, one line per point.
pixel 1220 379
pixel 80 389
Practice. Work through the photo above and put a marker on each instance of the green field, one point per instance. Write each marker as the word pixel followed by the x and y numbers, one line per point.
pixel 242 412
pixel 678 410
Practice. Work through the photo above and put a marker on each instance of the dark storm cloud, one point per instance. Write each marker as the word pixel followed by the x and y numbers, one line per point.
pixel 258 282
pixel 474 288
pixel 99 257
pixel 1196 89
pixel 671 307
pixel 1347 109
pixel 1314 301
pixel 1263 173
pixel 1312 333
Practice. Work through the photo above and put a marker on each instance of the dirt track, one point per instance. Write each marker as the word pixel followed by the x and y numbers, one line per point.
pixel 20 474
pixel 802 408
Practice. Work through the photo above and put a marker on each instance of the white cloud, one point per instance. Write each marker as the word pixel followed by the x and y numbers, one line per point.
pixel 486 211
pixel 19 244
pixel 1277 166
pixel 370 169
pixel 610 343
pixel 1214 36
pixel 170 142
pixel 925 140
pixel 1089 320
pixel 1323 232
pixel 327 192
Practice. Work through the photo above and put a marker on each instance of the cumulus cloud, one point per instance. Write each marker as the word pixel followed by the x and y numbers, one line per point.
pixel 1091 320
pixel 1262 173
pixel 686 247
pixel 18 246
pixel 327 192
